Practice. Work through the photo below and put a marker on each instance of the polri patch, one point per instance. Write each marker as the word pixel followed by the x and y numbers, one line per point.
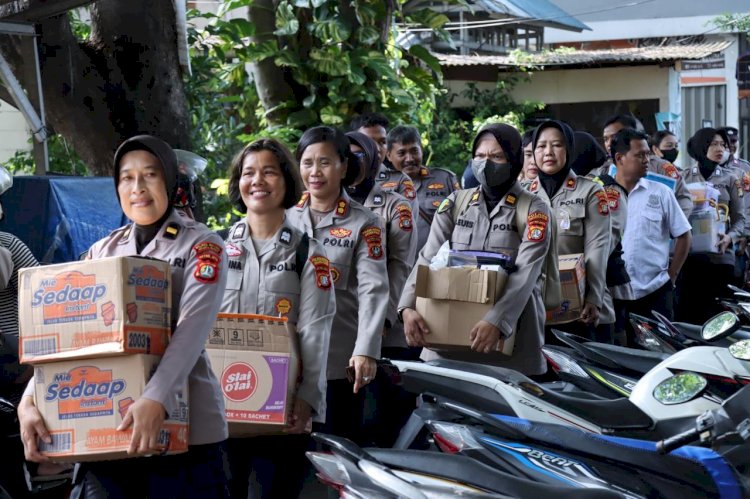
pixel 374 242
pixel 404 218
pixel 536 226
pixel 340 232
pixel 323 271
pixel 671 171
pixel 603 202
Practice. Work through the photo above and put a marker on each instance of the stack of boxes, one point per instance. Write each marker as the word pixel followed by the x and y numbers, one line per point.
pixel 94 332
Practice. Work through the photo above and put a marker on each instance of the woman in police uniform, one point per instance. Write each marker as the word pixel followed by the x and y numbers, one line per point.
pixel 581 210
pixel 145 175
pixel 696 303
pixel 352 238
pixel 275 269
pixel 488 223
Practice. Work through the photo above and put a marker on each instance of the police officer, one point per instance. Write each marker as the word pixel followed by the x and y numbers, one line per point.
pixel 145 175
pixel 353 239
pixel 656 164
pixel 433 184
pixel 709 148
pixel 742 169
pixel 488 223
pixel 581 210
pixel 276 269
pixel 375 126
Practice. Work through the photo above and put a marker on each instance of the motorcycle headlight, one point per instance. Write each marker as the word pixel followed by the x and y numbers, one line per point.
pixel 740 350
pixel 679 388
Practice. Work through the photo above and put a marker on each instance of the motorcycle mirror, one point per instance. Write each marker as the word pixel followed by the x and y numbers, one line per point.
pixel 740 350
pixel 679 388
pixel 720 326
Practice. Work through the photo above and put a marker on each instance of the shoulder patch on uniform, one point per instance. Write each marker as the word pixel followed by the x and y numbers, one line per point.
pixel 372 237
pixel 456 185
pixel 172 231
pixel 239 231
pixel 740 190
pixel 404 217
pixel 322 268
pixel 409 191
pixel 474 198
pixel 423 172
pixel 570 183
pixel 613 196
pixel 445 205
pixel 510 200
pixel 285 236
pixel 303 200
pixel 746 182
pixel 671 171
pixel 536 226
pixel 125 233
pixel 205 248
pixel 603 202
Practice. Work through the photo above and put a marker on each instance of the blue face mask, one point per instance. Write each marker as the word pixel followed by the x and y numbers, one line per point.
pixel 489 173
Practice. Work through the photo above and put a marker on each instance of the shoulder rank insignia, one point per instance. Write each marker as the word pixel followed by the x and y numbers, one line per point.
pixel 534 186
pixel 285 236
pixel 423 172
pixel 239 231
pixel 377 199
pixel 303 200
pixel 445 205
pixel 341 207
pixel 510 200
pixel 474 198
pixel 570 183
pixel 172 230
pixel 382 175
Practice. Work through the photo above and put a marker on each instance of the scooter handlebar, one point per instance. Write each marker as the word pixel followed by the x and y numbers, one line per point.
pixel 669 444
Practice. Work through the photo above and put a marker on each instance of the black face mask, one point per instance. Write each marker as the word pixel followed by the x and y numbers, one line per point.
pixel 489 173
pixel 669 154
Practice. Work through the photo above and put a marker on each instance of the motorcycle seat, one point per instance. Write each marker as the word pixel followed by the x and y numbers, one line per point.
pixel 615 414
pixel 692 331
pixel 697 468
pixel 641 361
pixel 472 472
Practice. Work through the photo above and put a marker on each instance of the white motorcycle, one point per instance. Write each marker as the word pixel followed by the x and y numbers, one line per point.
pixel 665 401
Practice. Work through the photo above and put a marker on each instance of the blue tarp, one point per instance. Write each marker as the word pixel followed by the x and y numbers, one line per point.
pixel 61 217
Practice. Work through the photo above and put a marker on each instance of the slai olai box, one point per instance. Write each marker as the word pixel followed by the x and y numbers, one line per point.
pixel 256 360
pixel 94 308
pixel 83 401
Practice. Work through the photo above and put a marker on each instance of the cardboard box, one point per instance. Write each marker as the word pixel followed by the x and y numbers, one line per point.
pixel 83 402
pixel 256 360
pixel 705 229
pixel 453 299
pixel 94 308
pixel 573 288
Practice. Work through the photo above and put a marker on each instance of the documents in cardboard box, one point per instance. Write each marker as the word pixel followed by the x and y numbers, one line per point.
pixel 453 299
pixel 573 287
pixel 256 360
pixel 83 401
pixel 94 308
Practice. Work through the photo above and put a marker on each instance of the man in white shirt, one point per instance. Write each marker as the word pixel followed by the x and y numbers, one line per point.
pixel 654 216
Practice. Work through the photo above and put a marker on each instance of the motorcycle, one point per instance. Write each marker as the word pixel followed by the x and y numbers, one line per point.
pixel 704 376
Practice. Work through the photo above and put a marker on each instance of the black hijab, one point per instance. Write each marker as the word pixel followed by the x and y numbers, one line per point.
pixel 370 163
pixel 552 183
pixel 587 154
pixel 698 149
pixel 510 142
pixel 168 160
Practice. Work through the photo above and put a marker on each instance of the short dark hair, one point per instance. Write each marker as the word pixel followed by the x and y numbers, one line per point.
pixel 339 141
pixel 626 120
pixel 366 120
pixel 403 134
pixel 622 139
pixel 527 137
pixel 287 165
pixel 658 136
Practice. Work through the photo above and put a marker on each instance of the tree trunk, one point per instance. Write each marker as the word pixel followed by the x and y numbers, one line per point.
pixel 125 80
pixel 273 89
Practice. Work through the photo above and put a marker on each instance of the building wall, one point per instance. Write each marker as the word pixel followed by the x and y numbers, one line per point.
pixel 14 134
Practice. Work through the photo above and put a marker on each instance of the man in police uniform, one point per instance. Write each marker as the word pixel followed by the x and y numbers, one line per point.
pixel 404 149
pixel 742 170
pixel 656 165
pixel 375 126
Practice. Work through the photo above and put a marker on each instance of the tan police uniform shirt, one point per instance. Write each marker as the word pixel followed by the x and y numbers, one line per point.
pixel 400 240
pixel 352 238
pixel 617 197
pixel 269 283
pixel 520 310
pixel 581 210
pixel 199 273
pixel 742 169
pixel 433 185
pixel 731 194
pixel 391 180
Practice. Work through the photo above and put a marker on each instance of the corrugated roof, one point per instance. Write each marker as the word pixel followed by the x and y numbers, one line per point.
pixel 585 57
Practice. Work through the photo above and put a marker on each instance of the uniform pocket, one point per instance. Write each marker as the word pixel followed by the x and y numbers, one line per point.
pixel 461 238
pixel 570 220
pixel 234 279
pixel 283 291
pixel 651 220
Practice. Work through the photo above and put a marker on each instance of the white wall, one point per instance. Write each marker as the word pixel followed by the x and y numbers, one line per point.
pixel 565 86
pixel 14 134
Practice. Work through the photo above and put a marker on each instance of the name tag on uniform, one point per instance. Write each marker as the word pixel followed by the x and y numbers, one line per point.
pixel 565 220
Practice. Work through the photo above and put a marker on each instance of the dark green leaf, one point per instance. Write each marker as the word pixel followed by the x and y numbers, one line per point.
pixel 258 51
pixel 309 100
pixel 428 18
pixel 357 75
pixel 420 77
pixel 367 35
pixel 379 64
pixel 302 118
pixel 286 20
pixel 330 31
pixel 330 61
pixel 329 115
pixel 287 58
pixel 243 26
pixel 421 53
